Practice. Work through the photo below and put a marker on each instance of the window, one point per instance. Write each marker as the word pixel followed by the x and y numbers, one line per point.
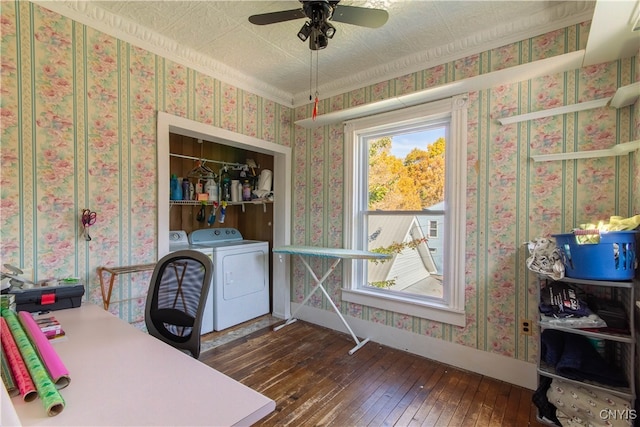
pixel 411 204
pixel 433 229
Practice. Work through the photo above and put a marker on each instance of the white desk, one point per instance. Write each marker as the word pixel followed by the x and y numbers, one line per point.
pixel 337 254
pixel 122 376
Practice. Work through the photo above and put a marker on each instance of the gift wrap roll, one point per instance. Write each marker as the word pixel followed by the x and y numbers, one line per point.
pixel 47 391
pixel 7 375
pixel 26 387
pixel 48 355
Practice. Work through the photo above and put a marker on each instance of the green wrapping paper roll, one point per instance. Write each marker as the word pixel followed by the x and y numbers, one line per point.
pixel 47 391
pixel 26 387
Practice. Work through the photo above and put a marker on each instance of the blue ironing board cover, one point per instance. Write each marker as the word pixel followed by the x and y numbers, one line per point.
pixel 329 252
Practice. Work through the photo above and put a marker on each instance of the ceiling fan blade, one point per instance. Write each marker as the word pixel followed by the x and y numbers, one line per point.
pixel 275 17
pixel 362 16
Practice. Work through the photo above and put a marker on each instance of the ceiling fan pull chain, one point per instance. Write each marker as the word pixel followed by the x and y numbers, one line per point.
pixel 310 74
pixel 317 67
pixel 315 103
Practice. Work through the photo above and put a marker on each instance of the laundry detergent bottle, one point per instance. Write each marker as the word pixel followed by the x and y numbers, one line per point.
pixel 175 190
pixel 212 188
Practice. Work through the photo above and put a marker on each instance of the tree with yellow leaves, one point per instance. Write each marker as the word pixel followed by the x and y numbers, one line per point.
pixel 414 183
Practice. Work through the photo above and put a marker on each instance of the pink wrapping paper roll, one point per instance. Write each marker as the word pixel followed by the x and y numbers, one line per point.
pixel 48 355
pixel 21 374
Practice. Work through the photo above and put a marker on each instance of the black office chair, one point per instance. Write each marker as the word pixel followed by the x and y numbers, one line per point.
pixel 177 295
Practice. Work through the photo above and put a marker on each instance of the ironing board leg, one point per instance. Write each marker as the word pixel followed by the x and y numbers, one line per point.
pixel 319 283
pixel 359 346
pixel 288 322
pixel 313 291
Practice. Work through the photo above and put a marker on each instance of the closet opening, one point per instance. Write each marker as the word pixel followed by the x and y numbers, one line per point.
pixel 173 131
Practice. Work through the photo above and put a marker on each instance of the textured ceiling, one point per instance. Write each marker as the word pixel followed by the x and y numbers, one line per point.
pixel 418 34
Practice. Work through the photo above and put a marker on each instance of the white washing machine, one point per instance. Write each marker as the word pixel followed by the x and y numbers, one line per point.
pixel 178 240
pixel 240 287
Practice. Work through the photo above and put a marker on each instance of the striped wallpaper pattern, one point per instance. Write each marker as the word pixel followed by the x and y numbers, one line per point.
pixel 78 131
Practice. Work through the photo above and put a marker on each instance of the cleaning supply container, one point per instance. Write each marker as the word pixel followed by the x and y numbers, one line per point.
pixel 175 189
pixel 593 255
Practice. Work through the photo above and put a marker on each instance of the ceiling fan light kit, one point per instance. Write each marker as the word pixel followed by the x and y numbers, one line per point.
pixel 304 32
pixel 318 30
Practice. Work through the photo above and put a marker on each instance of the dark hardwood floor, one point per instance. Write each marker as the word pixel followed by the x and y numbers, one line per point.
pixel 307 370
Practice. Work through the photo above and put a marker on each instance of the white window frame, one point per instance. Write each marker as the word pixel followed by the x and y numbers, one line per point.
pixel 450 309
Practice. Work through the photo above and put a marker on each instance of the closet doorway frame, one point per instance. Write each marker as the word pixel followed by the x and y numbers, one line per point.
pixel 168 123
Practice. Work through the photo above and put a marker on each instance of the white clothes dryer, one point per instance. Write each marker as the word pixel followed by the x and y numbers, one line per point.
pixel 240 286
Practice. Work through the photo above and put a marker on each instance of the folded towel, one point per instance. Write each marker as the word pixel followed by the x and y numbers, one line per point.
pixel 552 346
pixel 581 361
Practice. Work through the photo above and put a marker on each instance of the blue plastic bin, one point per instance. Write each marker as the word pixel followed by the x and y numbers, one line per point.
pixel 614 258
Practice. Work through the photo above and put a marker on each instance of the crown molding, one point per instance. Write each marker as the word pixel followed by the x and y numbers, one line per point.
pixel 131 32
pixel 529 70
pixel 563 15
pixel 87 13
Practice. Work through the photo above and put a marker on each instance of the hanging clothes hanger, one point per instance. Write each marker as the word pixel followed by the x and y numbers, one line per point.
pixel 201 171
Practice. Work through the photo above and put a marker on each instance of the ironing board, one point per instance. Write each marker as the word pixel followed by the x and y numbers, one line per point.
pixel 337 254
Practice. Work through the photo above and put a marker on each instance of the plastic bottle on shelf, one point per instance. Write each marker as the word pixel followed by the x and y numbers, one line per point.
pixel 225 185
pixel 236 190
pixel 175 189
pixel 185 189
pixel 246 191
pixel 212 188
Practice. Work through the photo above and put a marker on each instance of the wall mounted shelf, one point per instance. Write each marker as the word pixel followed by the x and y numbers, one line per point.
pixel 565 109
pixel 624 96
pixel 616 150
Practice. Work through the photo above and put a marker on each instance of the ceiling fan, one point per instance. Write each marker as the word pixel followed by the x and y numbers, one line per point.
pixel 317 29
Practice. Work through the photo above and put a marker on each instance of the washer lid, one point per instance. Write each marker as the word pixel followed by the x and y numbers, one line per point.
pixel 214 235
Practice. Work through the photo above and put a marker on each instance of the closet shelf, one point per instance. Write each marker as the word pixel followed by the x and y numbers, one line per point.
pixel 262 202
pixel 616 150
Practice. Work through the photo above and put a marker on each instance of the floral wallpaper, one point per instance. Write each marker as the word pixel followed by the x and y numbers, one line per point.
pixel 78 131
pixel 511 198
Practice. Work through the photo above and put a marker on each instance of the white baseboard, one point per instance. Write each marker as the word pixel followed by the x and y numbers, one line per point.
pixel 496 366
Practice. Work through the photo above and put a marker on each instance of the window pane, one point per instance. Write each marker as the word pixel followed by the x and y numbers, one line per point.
pixel 414 268
pixel 407 173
